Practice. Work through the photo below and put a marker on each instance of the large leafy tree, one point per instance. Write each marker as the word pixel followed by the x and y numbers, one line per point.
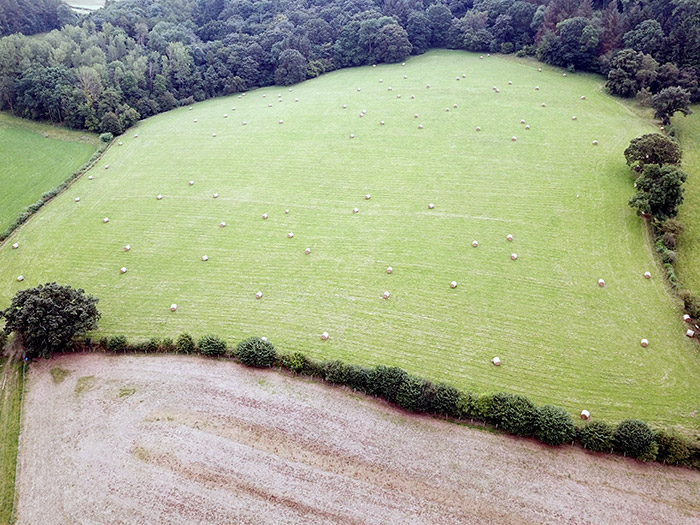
pixel 49 316
pixel 670 100
pixel 659 191
pixel 652 148
pixel 291 67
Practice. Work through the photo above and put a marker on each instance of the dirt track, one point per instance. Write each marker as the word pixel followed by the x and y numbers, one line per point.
pixel 166 439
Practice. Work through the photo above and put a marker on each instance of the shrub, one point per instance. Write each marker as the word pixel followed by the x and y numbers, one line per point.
pixel 212 345
pixel 117 343
pixel 358 378
pixel 669 257
pixel 669 240
pixel 650 453
pixel 106 137
pixel 386 381
pixel 598 436
pixel 633 437
pixel 514 413
pixel 673 226
pixel 168 345
pixel 554 425
pixel 296 362
pixel 409 391
pixel 3 340
pixel 482 407
pixel 672 448
pixel 335 372
pixel 256 352
pixel 185 344
pixel 152 345
pixel 691 303
pixel 440 399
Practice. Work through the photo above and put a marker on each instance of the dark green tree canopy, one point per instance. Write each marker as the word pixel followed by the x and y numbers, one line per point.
pixel 291 68
pixel 652 148
pixel 670 100
pixel 49 316
pixel 659 191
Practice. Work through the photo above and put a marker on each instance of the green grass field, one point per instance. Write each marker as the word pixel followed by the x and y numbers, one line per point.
pixel 33 159
pixel 10 401
pixel 689 245
pixel 561 337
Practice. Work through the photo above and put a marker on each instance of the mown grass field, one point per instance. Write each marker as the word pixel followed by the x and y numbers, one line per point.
pixel 33 159
pixel 561 337
pixel 10 401
pixel 688 264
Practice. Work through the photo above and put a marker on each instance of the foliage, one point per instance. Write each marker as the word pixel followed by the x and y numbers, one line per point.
pixel 386 382
pixel 633 437
pixel 106 137
pixel 211 345
pixel 514 413
pixel 291 68
pixel 672 448
pixel 691 303
pixel 598 436
pixel 335 372
pixel 117 343
pixel 48 316
pixel 631 71
pixel 669 101
pixel 33 16
pixel 254 351
pixel 652 148
pixel 185 344
pixel 554 425
pixel 659 191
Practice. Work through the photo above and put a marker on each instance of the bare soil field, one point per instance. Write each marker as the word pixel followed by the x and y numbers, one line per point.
pixel 170 439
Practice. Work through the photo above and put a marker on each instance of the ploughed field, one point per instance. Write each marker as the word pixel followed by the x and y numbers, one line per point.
pixel 173 439
pixel 34 158
pixel 562 338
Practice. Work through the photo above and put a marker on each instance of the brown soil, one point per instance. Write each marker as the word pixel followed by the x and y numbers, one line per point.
pixel 166 439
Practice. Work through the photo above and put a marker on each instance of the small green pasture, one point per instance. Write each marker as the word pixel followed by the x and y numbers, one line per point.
pixel 35 158
pixel 688 264
pixel 562 338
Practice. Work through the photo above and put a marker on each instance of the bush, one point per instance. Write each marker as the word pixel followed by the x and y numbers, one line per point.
pixel 168 345
pixel 409 391
pixel 441 399
pixel 598 436
pixel 296 362
pixel 669 240
pixel 256 352
pixel 669 257
pixel 633 437
pixel 185 344
pixel 385 382
pixel 691 303
pixel 335 372
pixel 117 343
pixel 152 345
pixel 554 425
pixel 514 413
pixel 3 340
pixel 358 378
pixel 672 448
pixel 482 407
pixel 106 137
pixel 212 345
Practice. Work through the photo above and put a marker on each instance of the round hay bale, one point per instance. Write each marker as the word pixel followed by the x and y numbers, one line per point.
pixel 690 333
pixel 475 244
pixel 290 90
pixel 77 199
pixel 381 80
pixel 205 258
pixel 222 225
pixel 403 63
pixel 647 275
pixel 244 94
pixel 544 105
pixel 464 76
pixel 127 247
pixel 368 197
pixel 431 206
pixel 290 235
pixel 644 343
pixel 123 269
pixel 364 111
pixel 498 91
pixel 286 212
pixel 601 283
pixel 564 74
pixel 405 77
pixel 15 246
pixel 352 135
pixel 307 251
pixel 245 122
pixel 159 197
pixel 191 183
pixel 136 135
pixel 481 57
pixel 264 95
pixel 106 166
pixel 478 128
pixel 687 318
pixel 522 121
pixel 496 361
pixel 362 115
pixel 233 108
pixel 345 106
pixel 239 96
pixel 453 284
pixel 447 110
pixel 281 121
pixel 225 115
pixel 90 177
pixel 190 108
pixel 120 143
pixel 595 143
pixel 279 95
pixel 454 106
pixel 269 105
pixel 427 86
pixel 216 195
pixel 324 336
pixel 539 69
pixel 386 295
pixel 374 65
pixel 398 96
pixel 420 126
pixel 527 126
pixel 264 216
pixel 513 139
pixel 358 89
pixel 213 134
pixel 583 97
pixel 412 97
pixel 585 414
pixel 20 278
pixel 509 237
pixel 258 295
pixel 415 115
pixel 494 88
pixel 389 270
pixel 537 88
pixel 355 210
pixel 573 118
pixel 105 220
pixel 296 100
pixel 456 78
pixel 510 82
pixel 173 307
pixel 513 256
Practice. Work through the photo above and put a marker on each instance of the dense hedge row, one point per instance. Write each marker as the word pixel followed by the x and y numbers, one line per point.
pixel 512 413
pixel 47 196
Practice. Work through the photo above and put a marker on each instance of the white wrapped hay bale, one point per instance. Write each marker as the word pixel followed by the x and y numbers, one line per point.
pixel 258 295
pixel 127 247
pixel 509 237
pixel 355 210
pixel 216 196
pixel 412 97
pixel 264 216
pixel 398 96
pixel 583 97
pixel 307 251
pixel 427 86
pixel 475 244
pixel 415 115
pixel 286 212
pixel 352 135
pixel 77 199
pixel 205 258
pixel 537 88
pixel 222 225
pixel 368 197
pixel 544 105
pixel 381 122
pixel 136 135
pixel 453 284
pixel 431 206
pixel 213 134
pixel 120 143
pixel 123 269
pixel 389 270
pixel 496 361
pixel 601 283
pixel 644 343
pixel 195 120
pixel 420 126
pixel 324 336
pixel 527 126
pixel 513 256
pixel 105 220
pixel 690 333
pixel 513 139
pixel 90 177
pixel 647 275
pixel 454 106
pixel 405 77
pixel 687 318
pixel 574 118
pixel 522 121
pixel 225 115
pixel 386 295
pixel 510 82
pixel 447 110
pixel 15 246
pixel 159 197
pixel 539 69
pixel 585 415
pixel 20 278
pixel 106 166
pixel 478 128
pixel 296 100
pixel 358 89
pixel 290 235
pixel 245 122
pixel 173 307
pixel 595 142
pixel 345 106
pixel 389 88
pixel 281 121
pixel 191 183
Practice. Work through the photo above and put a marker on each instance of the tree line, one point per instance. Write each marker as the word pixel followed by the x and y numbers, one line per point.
pixel 135 58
